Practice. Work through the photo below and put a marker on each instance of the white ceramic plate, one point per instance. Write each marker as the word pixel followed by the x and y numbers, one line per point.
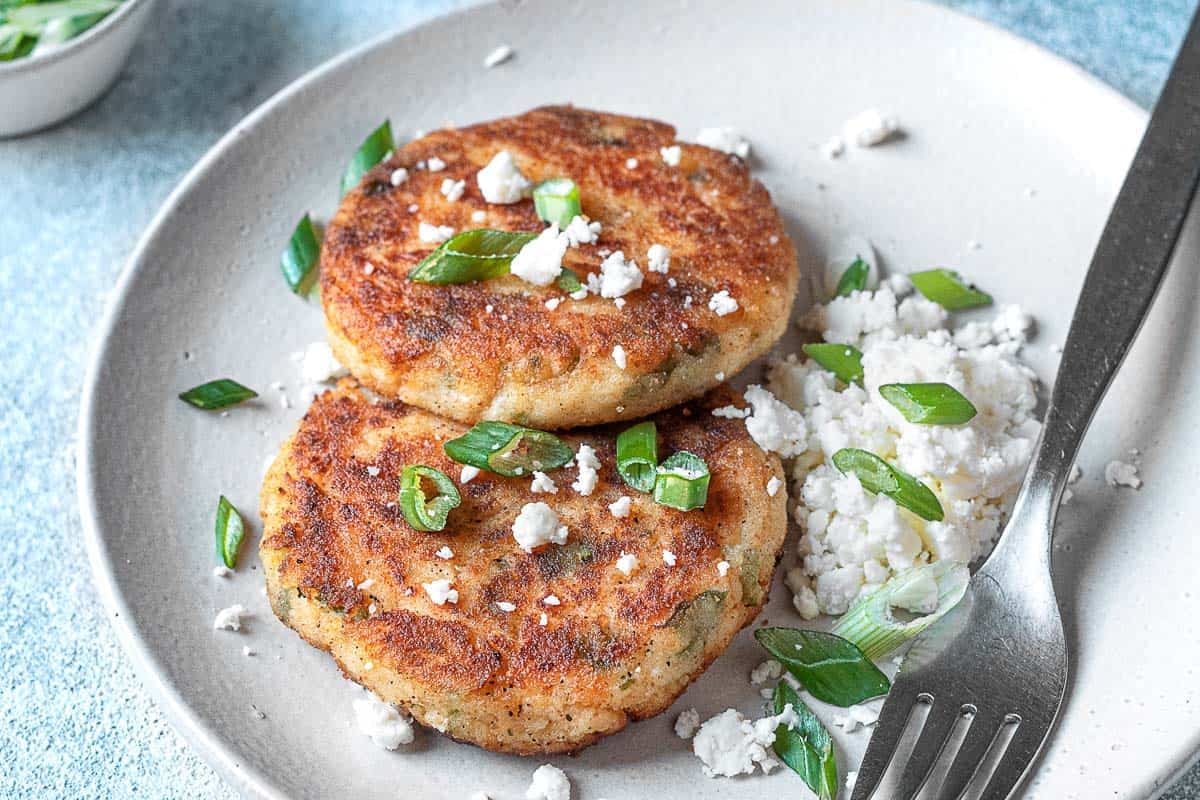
pixel 988 117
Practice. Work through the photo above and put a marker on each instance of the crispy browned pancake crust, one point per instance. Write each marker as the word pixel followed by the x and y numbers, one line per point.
pixel 492 350
pixel 617 648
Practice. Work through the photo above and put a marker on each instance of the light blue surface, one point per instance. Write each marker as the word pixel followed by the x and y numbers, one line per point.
pixel 74 721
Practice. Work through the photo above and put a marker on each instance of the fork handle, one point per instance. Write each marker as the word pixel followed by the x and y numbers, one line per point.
pixel 1126 272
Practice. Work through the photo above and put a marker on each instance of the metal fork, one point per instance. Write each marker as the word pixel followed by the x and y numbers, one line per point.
pixel 996 665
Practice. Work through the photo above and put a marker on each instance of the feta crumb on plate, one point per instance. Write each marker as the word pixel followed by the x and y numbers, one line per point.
pixel 387 726
pixel 658 258
pixel 687 723
pixel 549 783
pixel 773 426
pixel 439 592
pixel 722 303
pixel 542 484
pixel 498 56
pixel 501 180
pixel 589 466
pixel 230 619
pixel 768 670
pixel 1122 473
pixel 537 524
pixel 433 234
pixel 729 744
pixel 222 571
pixel 727 140
pixel 871 127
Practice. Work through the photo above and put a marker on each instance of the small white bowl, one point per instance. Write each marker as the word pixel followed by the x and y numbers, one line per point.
pixel 38 91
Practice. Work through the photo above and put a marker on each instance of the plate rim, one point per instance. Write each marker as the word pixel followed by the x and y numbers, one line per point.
pixel 203 738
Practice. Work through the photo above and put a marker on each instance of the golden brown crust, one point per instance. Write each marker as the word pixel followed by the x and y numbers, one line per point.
pixel 617 648
pixel 440 348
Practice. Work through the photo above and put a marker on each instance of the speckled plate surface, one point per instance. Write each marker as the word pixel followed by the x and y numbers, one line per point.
pixel 1005 145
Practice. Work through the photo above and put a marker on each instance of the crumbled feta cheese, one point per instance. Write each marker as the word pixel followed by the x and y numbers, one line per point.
pixel 668 558
pixel 727 140
pixel 439 592
pixel 731 412
pixel 387 726
pixel 631 163
pixel 722 568
pixel 834 146
pixel 729 744
pixel 433 234
pixel 722 303
pixel 542 484
pixel 478 216
pixel 498 56
pixel 453 190
pixel 720 376
pixel 1011 324
pixel 551 600
pixel 579 294
pixel 871 127
pixel 627 563
pixel 618 277
pixel 620 508
pixel 373 470
pixel 543 619
pixel 248 651
pixel 773 486
pixel 900 284
pixel 619 302
pixel 399 176
pixel 671 155
pixel 506 606
pixel 501 180
pixel 768 670
pixel 773 426
pixel 221 571
pixel 435 164
pixel 687 723
pixel 553 303
pixel 580 231
pixel 230 619
pixel 540 261
pixel 537 524
pixel 549 783
pixel 317 365
pixel 468 474
pixel 856 717
pixel 618 355
pixel 1122 473
pixel 444 553
pixel 658 258
pixel 589 466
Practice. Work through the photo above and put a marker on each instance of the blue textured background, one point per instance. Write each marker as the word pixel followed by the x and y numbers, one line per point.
pixel 74 721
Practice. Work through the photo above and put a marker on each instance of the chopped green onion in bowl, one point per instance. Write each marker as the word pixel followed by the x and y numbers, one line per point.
pixel 299 260
pixel 843 360
pixel 682 482
pixel 948 289
pixel 831 668
pixel 854 279
pixel 230 532
pixel 637 456
pixel 509 450
pixel 419 511
pixel 375 148
pixel 929 590
pixel 474 255
pixel 929 403
pixel 880 477
pixel 220 393
pixel 557 201
pixel 31 27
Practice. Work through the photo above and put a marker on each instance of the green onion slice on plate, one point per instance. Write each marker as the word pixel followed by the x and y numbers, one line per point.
pixel 374 149
pixel 230 532
pixel 843 360
pixel 299 260
pixel 419 511
pixel 880 477
pixel 806 747
pixel 832 669
pixel 948 289
pixel 637 456
pixel 509 450
pixel 682 482
pixel 929 590
pixel 217 394
pixel 929 403
pixel 557 201
pixel 474 255
pixel 854 279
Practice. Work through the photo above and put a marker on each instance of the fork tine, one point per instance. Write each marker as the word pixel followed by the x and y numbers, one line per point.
pixel 980 736
pixel 1022 750
pixel 929 746
pixel 893 719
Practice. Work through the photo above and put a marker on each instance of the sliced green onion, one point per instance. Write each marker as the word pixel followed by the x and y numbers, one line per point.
pixel 568 281
pixel 682 482
pixel 948 289
pixel 509 450
pixel 15 43
pixel 832 669
pixel 880 477
pixel 471 256
pixel 230 532
pixel 637 456
pixel 929 590
pixel 299 260
pixel 217 394
pixel 843 360
pixel 854 279
pixel 929 403
pixel 33 17
pixel 420 512
pixel 557 201
pixel 373 150
pixel 806 747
